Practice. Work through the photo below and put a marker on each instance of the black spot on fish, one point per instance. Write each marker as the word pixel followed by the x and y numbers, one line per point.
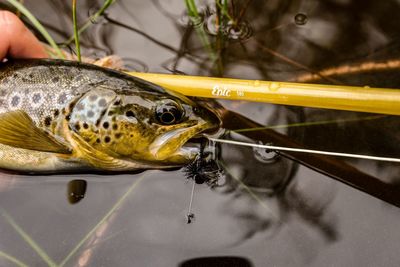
pixel 56 113
pixel 98 122
pixel 36 98
pixel 85 125
pixel 118 135
pixel 55 79
pixel 68 117
pixel 115 126
pixel 97 140
pixel 15 101
pixel 106 125
pixel 47 121
pixel 130 113
pixel 30 75
pixel 118 102
pixel 90 114
pixel 93 97
pixel 111 112
pixel 77 126
pixel 107 139
pixel 102 102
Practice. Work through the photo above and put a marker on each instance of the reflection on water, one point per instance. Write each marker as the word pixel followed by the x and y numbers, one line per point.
pixel 300 19
pixel 216 261
pixel 261 208
pixel 76 190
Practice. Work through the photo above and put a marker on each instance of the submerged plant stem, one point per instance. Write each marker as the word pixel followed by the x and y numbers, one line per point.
pixel 103 220
pixel 76 33
pixel 37 25
pixel 249 191
pixel 12 259
pixel 29 240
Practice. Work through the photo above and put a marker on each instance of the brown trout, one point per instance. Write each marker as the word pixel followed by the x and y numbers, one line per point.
pixel 65 116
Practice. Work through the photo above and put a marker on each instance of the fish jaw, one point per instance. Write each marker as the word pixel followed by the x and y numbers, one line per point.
pixel 173 147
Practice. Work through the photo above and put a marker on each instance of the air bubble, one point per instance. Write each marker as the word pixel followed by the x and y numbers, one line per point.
pixel 186 20
pixel 265 155
pixel 274 86
pixel 242 31
pixel 210 25
pixel 300 19
pixel 92 15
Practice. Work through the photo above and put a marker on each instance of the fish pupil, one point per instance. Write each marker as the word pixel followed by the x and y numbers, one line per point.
pixel 169 113
pixel 130 113
pixel 167 118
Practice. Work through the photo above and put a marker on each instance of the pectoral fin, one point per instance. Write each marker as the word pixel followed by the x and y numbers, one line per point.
pixel 98 159
pixel 18 130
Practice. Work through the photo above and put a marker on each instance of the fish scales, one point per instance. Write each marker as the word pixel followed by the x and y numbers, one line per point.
pixel 41 90
pixel 64 115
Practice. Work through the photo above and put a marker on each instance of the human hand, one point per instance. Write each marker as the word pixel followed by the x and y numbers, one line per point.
pixel 16 41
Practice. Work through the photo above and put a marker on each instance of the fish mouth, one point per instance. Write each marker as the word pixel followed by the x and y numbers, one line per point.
pixel 180 145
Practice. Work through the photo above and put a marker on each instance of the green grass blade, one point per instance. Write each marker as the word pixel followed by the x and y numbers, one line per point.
pixel 94 17
pixel 103 220
pixel 37 25
pixel 76 34
pixel 249 191
pixel 12 259
pixel 224 9
pixel 29 240
pixel 311 123
pixel 196 20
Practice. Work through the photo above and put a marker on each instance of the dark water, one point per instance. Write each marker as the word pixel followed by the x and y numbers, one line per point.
pixel 268 210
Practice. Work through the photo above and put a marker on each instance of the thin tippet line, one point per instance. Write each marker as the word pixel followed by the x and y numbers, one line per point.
pixel 190 215
pixel 301 150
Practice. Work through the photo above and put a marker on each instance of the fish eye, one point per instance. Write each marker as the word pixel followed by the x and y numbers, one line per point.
pixel 168 113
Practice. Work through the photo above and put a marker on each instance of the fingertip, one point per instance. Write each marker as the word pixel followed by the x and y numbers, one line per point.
pixel 9 21
pixel 18 41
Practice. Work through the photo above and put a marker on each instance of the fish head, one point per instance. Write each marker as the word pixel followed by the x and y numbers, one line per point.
pixel 155 128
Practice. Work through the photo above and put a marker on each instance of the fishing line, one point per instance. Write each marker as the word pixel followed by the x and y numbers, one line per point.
pixel 190 214
pixel 301 150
